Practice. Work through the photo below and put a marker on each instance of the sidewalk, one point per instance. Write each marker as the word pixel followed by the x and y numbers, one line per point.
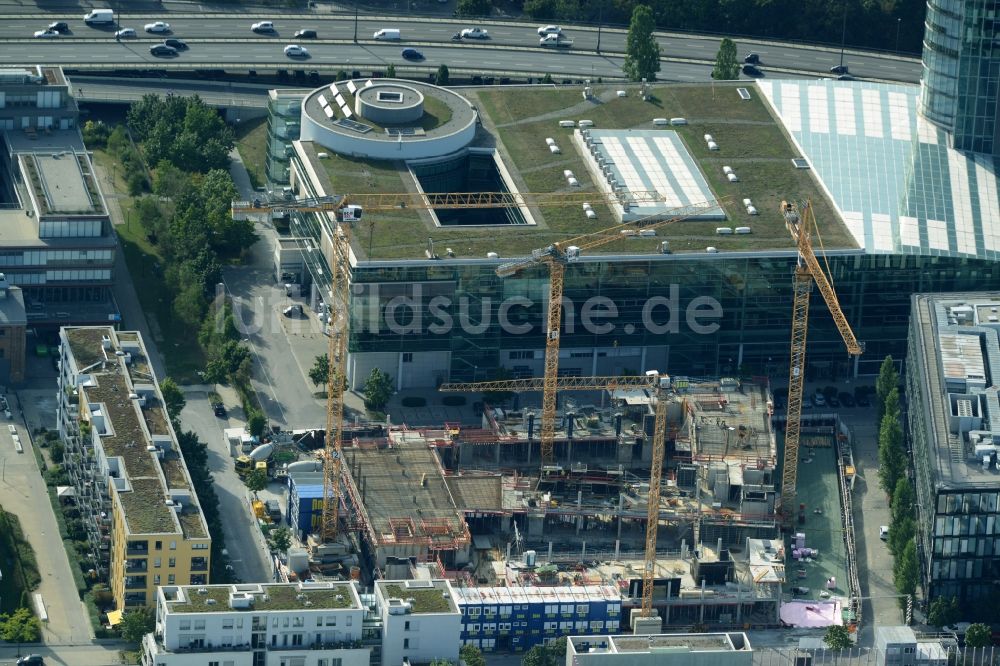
pixel 23 492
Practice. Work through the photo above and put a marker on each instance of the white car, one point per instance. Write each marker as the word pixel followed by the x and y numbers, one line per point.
pixel 474 33
pixel 263 26
pixel 157 28
pixel 124 32
pixel 296 51
pixel 46 34
pixel 550 30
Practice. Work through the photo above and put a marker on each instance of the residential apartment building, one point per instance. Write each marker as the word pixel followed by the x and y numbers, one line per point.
pixel 300 624
pixel 145 526
pixel 722 649
pixel 953 369
pixel 421 621
pixel 56 242
pixel 517 618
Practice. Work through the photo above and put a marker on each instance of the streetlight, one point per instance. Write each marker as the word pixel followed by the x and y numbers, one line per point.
pixel 355 21
pixel 899 22
pixel 600 24
pixel 843 39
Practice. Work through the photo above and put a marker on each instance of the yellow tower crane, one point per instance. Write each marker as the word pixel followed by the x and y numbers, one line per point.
pixel 659 384
pixel 802 224
pixel 349 208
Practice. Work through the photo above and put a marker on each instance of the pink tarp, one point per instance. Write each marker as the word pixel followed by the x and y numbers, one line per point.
pixel 811 613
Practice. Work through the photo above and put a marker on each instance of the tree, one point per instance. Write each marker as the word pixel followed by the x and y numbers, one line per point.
pixel 172 397
pixel 473 8
pixel 891 457
pixel 553 654
pixel 136 624
pixel 319 373
pixel 906 572
pixel 727 67
pixel 890 406
pixel 888 379
pixel 169 181
pixel 378 389
pixel 390 71
pixel 902 500
pixel 442 76
pixel 978 635
pixel 256 481
pixel 281 539
pixel 642 51
pixel 472 656
pixel 21 626
pixel 256 422
pixel 837 637
pixel 943 611
pixel 900 534
pixel 57 451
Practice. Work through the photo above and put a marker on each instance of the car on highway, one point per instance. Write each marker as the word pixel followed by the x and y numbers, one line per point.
pixel 45 34
pixel 305 34
pixel 751 70
pixel 124 33
pixel 178 44
pixel 411 54
pixel 550 30
pixel 296 51
pixel 752 59
pixel 162 51
pixel 31 660
pixel 60 26
pixel 263 27
pixel 157 28
pixel 475 33
pixel 838 69
pixel 845 77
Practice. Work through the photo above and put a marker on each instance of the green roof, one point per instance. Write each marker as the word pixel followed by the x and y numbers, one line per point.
pixel 279 597
pixel 751 141
pixel 422 600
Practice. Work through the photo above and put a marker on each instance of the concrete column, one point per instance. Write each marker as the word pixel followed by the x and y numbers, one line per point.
pixel 701 609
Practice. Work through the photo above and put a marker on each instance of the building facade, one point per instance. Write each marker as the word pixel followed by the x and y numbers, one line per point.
pixel 961 72
pixel 421 621
pixel 144 523
pixel 953 367
pixel 518 618
pixel 13 332
pixel 303 624
pixel 36 98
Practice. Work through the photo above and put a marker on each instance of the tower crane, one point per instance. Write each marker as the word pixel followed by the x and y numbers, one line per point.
pixel 349 208
pixel 801 225
pixel 660 385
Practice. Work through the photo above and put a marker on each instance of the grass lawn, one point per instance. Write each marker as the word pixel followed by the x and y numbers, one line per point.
pixel 504 107
pixel 181 352
pixel 251 141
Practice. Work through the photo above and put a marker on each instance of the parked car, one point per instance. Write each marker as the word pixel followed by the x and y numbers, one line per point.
pixel 411 54
pixel 219 409
pixel 293 311
pixel 124 33
pixel 474 33
pixel 296 51
pixel 305 34
pixel 263 27
pixel 550 30
pixel 883 532
pixel 176 44
pixel 846 399
pixel 60 26
pixel 162 51
pixel 819 399
pixel 157 28
pixel 751 59
pixel 832 401
pixel 45 34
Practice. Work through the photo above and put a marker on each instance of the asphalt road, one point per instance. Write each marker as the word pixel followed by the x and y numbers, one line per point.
pixel 511 47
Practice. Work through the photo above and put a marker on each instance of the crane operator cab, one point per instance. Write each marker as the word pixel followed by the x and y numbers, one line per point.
pixel 349 213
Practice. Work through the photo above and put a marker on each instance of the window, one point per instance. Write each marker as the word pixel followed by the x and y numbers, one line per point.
pixel 171 579
pixel 407 357
pixel 406 626
pixel 474 612
pixel 350 620
pixel 406 643
pixel 582 608
pixel 184 625
pixel 319 620
pixel 213 663
pixel 199 625
pixel 172 562
pixel 296 639
pixel 157 561
pixel 159 545
pixel 331 620
pixel 521 355
pixel 156 579
pixel 173 545
pixel 227 623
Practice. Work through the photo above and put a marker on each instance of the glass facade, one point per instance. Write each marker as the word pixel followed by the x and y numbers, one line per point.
pixel 961 77
pixel 283 124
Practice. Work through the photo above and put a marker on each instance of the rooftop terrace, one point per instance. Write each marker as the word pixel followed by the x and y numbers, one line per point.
pixel 62 183
pixel 275 597
pixel 423 596
pixel 750 140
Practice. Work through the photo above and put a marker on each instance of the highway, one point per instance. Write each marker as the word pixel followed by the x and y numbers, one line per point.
pixel 224 40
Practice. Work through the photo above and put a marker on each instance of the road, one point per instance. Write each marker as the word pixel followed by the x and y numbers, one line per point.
pixel 512 47
pixel 105 653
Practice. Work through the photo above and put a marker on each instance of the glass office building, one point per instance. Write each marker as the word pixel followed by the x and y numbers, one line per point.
pixel 961 77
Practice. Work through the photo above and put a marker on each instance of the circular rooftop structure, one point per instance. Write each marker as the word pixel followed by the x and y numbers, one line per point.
pixel 388 119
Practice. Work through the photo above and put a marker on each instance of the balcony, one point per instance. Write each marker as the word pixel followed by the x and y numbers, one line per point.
pixel 137 566
pixel 135 582
pixel 137 548
pixel 199 564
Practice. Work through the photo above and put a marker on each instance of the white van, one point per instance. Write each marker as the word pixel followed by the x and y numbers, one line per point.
pixel 388 34
pixel 99 16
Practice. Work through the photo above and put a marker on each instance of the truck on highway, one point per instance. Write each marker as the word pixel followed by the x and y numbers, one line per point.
pixel 99 17
pixel 555 40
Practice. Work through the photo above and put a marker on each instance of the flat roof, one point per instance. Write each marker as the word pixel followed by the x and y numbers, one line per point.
pixel 63 183
pixel 713 642
pixel 733 419
pixel 750 139
pixel 135 425
pixel 423 596
pixel 890 173
pixel 325 595
pixel 958 349
pixel 402 491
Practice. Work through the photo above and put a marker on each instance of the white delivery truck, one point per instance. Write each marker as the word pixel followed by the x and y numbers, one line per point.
pixel 99 17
